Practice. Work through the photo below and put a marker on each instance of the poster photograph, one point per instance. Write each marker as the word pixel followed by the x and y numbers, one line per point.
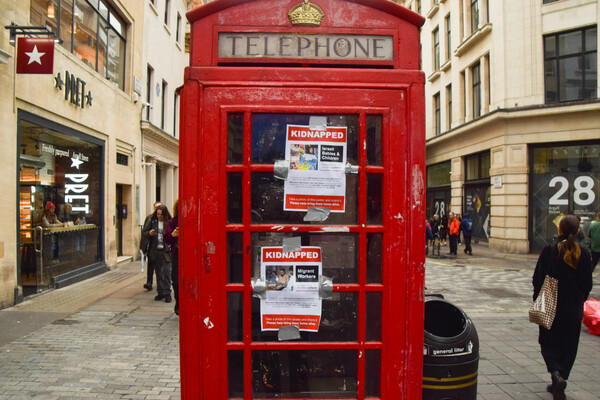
pixel 292 296
pixel 317 160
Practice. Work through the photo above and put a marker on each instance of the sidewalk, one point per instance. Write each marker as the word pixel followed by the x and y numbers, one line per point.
pixel 106 338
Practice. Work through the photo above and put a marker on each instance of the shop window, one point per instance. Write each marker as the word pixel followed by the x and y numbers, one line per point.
pixel 438 174
pixel 60 170
pixel 564 180
pixel 93 31
pixel 571 65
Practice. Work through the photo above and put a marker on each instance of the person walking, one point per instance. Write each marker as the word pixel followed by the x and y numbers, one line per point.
pixel 172 238
pixel 454 226
pixel 594 234
pixel 443 229
pixel 159 256
pixel 570 263
pixel 144 246
pixel 466 226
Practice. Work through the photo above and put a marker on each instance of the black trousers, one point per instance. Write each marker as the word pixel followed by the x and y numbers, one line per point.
pixel 468 248
pixel 559 346
pixel 453 244
pixel 175 277
pixel 595 258
pixel 149 273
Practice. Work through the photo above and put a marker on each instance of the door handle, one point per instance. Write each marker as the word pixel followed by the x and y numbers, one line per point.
pixel 38 233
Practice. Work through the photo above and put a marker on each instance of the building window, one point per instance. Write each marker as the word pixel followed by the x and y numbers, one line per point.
pixel 178 28
pixel 93 31
pixel 476 76
pixel 122 159
pixel 448 38
pixel 167 11
pixel 163 105
pixel 436 114
pixel 570 63
pixel 419 6
pixel 463 96
pixel 477 166
pixel 449 107
pixel 436 49
pixel 176 114
pixel 149 78
pixel 474 15
pixel 549 1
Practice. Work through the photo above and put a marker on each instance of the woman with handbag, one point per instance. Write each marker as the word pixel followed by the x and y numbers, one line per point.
pixel 570 264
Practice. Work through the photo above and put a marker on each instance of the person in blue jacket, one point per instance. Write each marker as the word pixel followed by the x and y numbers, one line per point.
pixel 466 226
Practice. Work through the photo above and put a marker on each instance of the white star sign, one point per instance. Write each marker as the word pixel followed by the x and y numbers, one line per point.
pixel 76 162
pixel 35 56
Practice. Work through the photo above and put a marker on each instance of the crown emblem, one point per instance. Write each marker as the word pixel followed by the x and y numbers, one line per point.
pixel 306 14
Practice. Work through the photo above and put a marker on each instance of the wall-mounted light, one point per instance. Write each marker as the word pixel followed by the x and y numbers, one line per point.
pixel 50 11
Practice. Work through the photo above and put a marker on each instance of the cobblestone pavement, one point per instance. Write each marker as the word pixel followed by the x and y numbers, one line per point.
pixel 497 300
pixel 121 344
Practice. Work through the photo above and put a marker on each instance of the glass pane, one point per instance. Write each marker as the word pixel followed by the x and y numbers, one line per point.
pixel 591 39
pixel 116 60
pixel 372 373
pixel 86 30
pixel 373 329
pixel 235 138
pixel 267 202
pixel 550 77
pixel 235 375
pixel 569 43
pixel 374 124
pixel 550 46
pixel 235 260
pixel 570 78
pixel 339 252
pixel 472 168
pixel 304 374
pixel 485 166
pixel 52 179
pixel 117 24
pixel 268 135
pixel 103 9
pixel 591 76
pixel 102 47
pixel 234 198
pixel 44 13
pixel 235 314
pixel 374 199
pixel 374 250
pixel 339 321
pixel 66 24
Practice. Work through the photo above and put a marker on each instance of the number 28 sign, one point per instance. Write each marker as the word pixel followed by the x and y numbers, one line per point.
pixel 583 187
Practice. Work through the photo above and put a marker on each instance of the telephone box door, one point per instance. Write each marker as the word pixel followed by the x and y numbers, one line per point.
pixel 277 227
pixel 302 206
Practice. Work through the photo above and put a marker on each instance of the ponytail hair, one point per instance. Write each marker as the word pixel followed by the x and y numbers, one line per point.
pixel 569 226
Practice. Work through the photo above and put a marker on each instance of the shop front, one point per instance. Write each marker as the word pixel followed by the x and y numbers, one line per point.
pixel 61 212
pixel 438 190
pixel 565 179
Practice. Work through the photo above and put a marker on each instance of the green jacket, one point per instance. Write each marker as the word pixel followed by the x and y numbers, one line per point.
pixel 594 235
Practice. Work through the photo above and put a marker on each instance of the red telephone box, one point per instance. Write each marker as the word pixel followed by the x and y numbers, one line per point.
pixel 302 201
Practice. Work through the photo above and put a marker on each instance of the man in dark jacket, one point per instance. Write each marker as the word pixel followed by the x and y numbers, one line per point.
pixel 466 226
pixel 144 247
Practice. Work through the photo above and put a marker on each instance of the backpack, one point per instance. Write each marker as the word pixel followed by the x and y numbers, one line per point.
pixel 468 225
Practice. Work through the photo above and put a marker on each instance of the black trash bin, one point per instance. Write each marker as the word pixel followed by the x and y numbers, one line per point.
pixel 450 352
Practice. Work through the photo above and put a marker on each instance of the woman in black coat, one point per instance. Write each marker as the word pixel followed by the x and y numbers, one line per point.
pixel 571 264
